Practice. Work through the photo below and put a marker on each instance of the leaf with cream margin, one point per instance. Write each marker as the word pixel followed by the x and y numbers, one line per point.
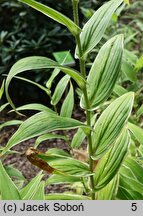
pixel 55 15
pixel 2 89
pixel 110 124
pixel 137 132
pixel 47 137
pixel 8 189
pixel 36 107
pixel 39 193
pixel 108 166
pixel 94 29
pixel 68 104
pixel 29 190
pixel 59 90
pixel 42 123
pixel 10 123
pixel 109 191
pixel 62 179
pixel 104 72
pixel 66 196
pixel 39 62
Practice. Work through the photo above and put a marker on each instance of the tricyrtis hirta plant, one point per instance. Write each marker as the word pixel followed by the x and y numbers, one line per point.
pixel 100 169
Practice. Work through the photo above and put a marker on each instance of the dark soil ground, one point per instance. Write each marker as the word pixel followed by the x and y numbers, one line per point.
pixel 20 160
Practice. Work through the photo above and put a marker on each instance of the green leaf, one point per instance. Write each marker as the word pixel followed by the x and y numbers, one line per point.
pixel 35 106
pixel 10 123
pixel 65 57
pixel 47 137
pixel 52 77
pixel 110 124
pixel 2 89
pixel 39 124
pixel 140 111
pixel 131 180
pixel 29 190
pixel 71 167
pixel 59 90
pixel 126 170
pixel 37 62
pixel 109 164
pixel 56 71
pixel 133 169
pixel 3 107
pixel 13 172
pixel 104 72
pixel 68 104
pixel 109 191
pixel 129 72
pixel 58 196
pixel 39 193
pixel 62 179
pixel 130 184
pixel 137 132
pixel 139 64
pixel 58 152
pixel 63 164
pixel 9 151
pixel 8 190
pixel 94 29
pixel 78 138
pixel 130 57
pixel 130 38
pixel 53 154
pixel 55 15
pixel 119 90
pixel 140 149
pixel 125 194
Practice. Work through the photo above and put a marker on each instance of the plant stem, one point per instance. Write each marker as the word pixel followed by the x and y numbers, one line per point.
pixel 89 138
pixel 87 104
pixel 75 11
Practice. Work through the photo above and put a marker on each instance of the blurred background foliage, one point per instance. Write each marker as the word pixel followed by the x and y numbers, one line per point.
pixel 25 32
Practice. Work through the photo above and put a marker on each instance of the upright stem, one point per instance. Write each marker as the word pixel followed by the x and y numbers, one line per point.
pixel 87 104
pixel 75 11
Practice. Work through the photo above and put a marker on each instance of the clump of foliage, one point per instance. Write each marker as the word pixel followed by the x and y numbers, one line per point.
pixel 110 167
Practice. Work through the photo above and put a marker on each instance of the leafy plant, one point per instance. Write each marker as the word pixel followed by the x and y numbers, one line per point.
pixel 100 170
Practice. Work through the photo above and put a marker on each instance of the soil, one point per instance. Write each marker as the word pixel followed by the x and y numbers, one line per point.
pixel 20 161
